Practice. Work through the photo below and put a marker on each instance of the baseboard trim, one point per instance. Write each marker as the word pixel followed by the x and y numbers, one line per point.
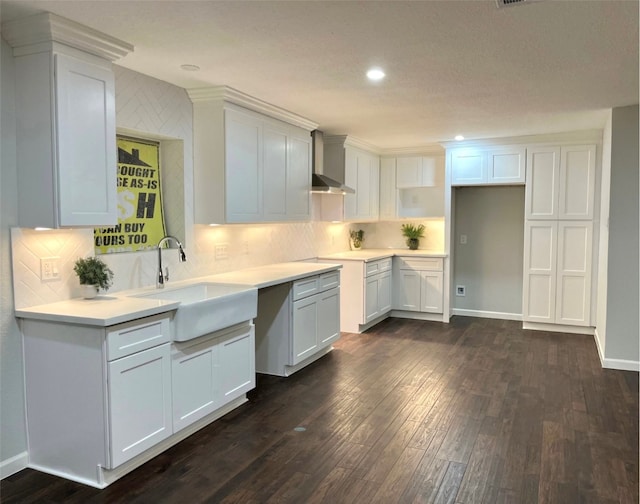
pixel 431 317
pixel 619 364
pixel 14 464
pixel 486 314
pixel 537 326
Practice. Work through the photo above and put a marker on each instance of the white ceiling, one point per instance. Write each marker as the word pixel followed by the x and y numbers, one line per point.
pixel 452 66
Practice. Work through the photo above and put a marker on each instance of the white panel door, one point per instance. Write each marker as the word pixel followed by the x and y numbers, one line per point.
pixel 573 301
pixel 542 183
pixel 86 143
pixel 299 178
pixel 243 168
pixel 385 292
pixel 363 187
pixel 540 267
pixel 196 391
pixel 431 294
pixel 139 402
pixel 506 166
pixel 305 329
pixel 371 302
pixel 577 182
pixel 408 172
pixel 407 293
pixel 468 167
pixel 388 191
pixel 328 316
pixel 237 370
pixel 274 174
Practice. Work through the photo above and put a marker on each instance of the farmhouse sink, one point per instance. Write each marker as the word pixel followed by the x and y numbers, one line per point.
pixel 207 307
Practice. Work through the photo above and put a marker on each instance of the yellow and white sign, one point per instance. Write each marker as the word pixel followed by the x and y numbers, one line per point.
pixel 140 217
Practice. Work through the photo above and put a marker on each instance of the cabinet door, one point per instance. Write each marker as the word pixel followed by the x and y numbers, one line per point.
pixel 274 179
pixel 374 186
pixel 139 388
pixel 573 300
pixel 299 178
pixel 385 290
pixel 540 267
pixel 194 386
pixel 305 329
pixel 407 292
pixel 351 179
pixel 388 191
pixel 409 172
pixel 577 182
pixel 506 166
pixel 242 168
pixel 468 167
pixel 237 372
pixel 86 143
pixel 328 317
pixel 431 298
pixel 371 300
pixel 542 183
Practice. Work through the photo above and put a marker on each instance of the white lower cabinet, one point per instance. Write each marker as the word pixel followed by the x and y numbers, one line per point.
pixel 418 284
pixel 557 272
pixel 210 371
pixel 377 296
pixel 139 402
pixel 297 323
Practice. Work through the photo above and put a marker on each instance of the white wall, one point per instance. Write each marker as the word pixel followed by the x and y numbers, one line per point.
pixel 13 444
pixel 622 326
pixel 490 264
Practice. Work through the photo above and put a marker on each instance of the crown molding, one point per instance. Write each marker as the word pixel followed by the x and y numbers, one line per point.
pixel 423 150
pixel 351 141
pixel 590 136
pixel 230 95
pixel 41 29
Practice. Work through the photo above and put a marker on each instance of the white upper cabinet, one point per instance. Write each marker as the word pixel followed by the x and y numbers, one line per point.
pixel 494 166
pixel 66 128
pixel 560 182
pixel 419 171
pixel 388 191
pixel 360 170
pixel 248 167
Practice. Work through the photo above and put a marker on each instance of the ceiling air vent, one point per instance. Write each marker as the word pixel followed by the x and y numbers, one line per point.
pixel 510 3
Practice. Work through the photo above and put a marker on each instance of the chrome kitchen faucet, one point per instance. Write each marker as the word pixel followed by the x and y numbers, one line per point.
pixel 163 277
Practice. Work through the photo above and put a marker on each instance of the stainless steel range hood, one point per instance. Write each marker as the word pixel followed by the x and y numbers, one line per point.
pixel 320 183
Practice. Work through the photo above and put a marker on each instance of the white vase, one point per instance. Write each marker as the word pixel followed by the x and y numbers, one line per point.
pixel 88 291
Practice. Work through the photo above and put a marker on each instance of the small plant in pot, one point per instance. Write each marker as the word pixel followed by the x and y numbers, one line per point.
pixel 93 275
pixel 413 234
pixel 356 238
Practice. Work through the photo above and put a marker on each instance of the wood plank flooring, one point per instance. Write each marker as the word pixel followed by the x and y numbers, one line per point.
pixel 476 411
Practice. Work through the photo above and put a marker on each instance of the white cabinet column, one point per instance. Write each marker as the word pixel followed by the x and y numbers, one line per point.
pixel 540 267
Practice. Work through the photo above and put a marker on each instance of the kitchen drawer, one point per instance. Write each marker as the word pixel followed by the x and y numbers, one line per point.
pixel 305 287
pixel 373 267
pixel 329 280
pixel 137 335
pixel 420 263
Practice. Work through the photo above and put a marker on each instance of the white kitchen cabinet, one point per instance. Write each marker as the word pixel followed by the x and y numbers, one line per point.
pixel 418 284
pixel 557 272
pixel 210 371
pixel 360 170
pixel 419 171
pixel 388 191
pixel 248 167
pixel 377 296
pixel 139 390
pixel 66 140
pixel 494 166
pixel 560 182
pixel 297 323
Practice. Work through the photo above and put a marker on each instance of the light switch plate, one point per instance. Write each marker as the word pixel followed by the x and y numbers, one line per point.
pixel 50 268
pixel 222 251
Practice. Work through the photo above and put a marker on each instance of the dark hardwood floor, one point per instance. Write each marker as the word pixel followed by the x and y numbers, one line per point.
pixel 476 411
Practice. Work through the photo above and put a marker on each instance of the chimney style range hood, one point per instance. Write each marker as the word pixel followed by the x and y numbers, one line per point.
pixel 320 183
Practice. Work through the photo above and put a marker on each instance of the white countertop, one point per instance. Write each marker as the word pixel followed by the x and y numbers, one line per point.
pixel 367 255
pixel 106 310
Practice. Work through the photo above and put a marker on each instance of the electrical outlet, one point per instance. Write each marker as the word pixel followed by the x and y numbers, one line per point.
pixel 461 290
pixel 49 268
pixel 222 251
pixel 463 239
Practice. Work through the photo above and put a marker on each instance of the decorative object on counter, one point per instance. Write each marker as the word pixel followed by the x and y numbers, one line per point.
pixel 413 235
pixel 355 239
pixel 93 275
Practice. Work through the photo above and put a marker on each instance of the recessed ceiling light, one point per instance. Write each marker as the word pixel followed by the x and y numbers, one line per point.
pixel 459 138
pixel 190 68
pixel 375 74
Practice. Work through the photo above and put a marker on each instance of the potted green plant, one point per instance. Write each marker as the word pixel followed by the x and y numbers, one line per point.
pixel 93 274
pixel 355 239
pixel 413 234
